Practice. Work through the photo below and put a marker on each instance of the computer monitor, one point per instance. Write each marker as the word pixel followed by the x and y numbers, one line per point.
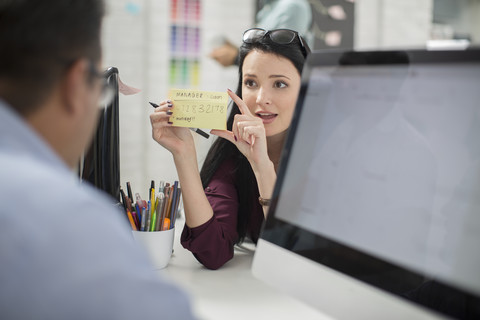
pixel 376 209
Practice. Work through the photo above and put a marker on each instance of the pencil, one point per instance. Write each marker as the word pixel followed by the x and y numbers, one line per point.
pixel 132 223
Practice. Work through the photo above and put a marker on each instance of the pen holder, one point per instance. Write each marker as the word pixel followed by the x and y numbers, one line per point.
pixel 159 245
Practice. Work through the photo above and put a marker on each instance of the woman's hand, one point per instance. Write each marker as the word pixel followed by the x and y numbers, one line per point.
pixel 177 140
pixel 248 134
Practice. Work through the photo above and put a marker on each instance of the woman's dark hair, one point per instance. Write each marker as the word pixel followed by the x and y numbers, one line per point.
pixel 222 149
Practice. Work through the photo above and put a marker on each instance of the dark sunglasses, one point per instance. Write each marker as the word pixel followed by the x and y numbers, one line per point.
pixel 279 36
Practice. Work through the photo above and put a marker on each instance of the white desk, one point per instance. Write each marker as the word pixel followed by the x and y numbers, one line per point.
pixel 231 292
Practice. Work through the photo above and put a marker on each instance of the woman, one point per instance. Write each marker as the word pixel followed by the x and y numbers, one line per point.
pixel 228 200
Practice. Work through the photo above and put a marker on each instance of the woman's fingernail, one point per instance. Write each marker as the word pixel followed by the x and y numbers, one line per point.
pixel 169 101
pixel 170 122
pixel 169 113
pixel 235 137
pixel 229 90
pixel 169 105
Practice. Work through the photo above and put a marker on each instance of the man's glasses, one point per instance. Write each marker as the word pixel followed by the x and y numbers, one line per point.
pixel 107 93
pixel 279 36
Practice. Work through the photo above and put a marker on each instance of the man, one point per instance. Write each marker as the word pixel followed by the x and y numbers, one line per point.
pixel 65 251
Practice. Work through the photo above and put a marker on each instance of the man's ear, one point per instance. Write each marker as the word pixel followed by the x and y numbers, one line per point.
pixel 74 87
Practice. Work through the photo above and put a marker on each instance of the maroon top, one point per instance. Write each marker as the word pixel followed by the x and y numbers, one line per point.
pixel 212 242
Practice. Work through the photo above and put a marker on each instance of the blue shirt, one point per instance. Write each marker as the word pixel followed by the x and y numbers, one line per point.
pixel 287 14
pixel 65 251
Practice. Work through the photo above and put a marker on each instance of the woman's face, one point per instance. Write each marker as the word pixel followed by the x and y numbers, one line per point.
pixel 270 87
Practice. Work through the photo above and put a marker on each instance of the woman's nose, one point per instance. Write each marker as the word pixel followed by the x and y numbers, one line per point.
pixel 263 97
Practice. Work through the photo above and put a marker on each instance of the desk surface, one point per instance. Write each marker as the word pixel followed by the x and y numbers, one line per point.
pixel 231 292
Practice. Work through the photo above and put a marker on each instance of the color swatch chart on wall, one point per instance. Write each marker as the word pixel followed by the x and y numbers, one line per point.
pixel 185 32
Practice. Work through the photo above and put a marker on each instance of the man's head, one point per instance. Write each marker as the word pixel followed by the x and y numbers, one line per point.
pixel 49 60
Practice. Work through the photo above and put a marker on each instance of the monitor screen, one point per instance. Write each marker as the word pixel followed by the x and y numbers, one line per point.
pixel 378 192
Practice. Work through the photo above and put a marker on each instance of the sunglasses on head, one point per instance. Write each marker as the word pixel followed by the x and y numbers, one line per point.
pixel 279 36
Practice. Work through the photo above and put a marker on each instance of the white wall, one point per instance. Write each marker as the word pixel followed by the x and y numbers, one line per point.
pixel 459 16
pixel 390 24
pixel 136 41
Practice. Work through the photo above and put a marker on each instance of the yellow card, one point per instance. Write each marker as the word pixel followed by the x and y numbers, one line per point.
pixel 199 109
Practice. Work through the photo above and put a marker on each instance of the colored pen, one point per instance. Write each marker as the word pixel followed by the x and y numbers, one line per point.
pixel 166 200
pixel 174 202
pixel 152 191
pixel 144 216
pixel 199 131
pixel 138 211
pixel 153 218
pixel 158 210
pixel 135 219
pixel 139 201
pixel 179 194
pixel 148 217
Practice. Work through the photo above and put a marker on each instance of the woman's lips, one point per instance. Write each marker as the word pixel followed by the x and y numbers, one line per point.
pixel 266 117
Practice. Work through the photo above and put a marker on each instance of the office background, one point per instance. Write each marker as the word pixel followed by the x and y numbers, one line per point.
pixel 162 44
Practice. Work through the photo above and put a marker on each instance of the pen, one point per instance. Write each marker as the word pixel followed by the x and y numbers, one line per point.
pixel 179 194
pixel 200 132
pixel 153 216
pixel 138 215
pixel 129 191
pixel 152 191
pixel 136 220
pixel 164 210
pixel 144 216
pixel 124 200
pixel 159 209
pixel 174 201
pixel 148 217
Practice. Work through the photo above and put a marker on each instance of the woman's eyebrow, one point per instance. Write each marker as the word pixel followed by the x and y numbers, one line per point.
pixel 278 76
pixel 251 75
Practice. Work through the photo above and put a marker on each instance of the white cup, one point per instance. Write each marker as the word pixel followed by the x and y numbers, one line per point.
pixel 159 245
